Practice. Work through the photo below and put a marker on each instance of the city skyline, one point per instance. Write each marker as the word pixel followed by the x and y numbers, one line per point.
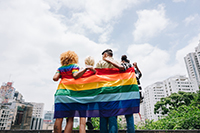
pixel 155 34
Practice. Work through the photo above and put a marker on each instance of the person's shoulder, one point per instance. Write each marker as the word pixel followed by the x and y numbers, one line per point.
pixel 75 65
pixel 99 64
pixel 61 67
pixel 115 61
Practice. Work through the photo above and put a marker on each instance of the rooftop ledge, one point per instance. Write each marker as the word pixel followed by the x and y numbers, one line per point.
pixel 98 131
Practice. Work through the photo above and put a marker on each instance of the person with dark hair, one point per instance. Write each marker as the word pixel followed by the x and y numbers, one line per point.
pixel 129 118
pixel 125 62
pixel 108 62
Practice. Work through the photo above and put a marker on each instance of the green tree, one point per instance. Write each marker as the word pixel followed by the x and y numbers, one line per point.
pixel 184 117
pixel 96 123
pixel 120 124
pixel 183 112
pixel 173 102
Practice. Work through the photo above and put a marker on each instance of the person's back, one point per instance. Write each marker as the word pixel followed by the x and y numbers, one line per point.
pixel 129 117
pixel 105 64
pixel 125 62
pixel 108 62
pixel 69 69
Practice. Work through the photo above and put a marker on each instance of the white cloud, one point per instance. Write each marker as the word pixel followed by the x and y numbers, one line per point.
pixel 192 19
pixel 150 23
pixel 188 49
pixel 178 1
pixel 154 63
pixel 97 16
pixel 151 60
pixel 35 32
pixel 32 39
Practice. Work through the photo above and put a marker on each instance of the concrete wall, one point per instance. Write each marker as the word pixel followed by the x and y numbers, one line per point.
pixel 97 131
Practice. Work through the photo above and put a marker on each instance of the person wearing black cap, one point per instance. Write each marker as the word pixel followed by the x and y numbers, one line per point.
pixel 108 62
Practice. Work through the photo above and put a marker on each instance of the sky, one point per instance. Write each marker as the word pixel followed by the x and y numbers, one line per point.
pixel 157 34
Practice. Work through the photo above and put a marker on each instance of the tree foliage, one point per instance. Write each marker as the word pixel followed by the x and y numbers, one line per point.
pixel 96 123
pixel 183 114
pixel 173 101
pixel 184 117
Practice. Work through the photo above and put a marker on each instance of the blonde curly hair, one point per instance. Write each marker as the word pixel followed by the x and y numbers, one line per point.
pixel 69 57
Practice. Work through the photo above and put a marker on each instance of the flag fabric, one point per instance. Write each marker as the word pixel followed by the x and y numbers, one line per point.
pixel 108 92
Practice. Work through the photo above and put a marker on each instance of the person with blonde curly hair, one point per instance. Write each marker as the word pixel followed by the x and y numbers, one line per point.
pixel 69 69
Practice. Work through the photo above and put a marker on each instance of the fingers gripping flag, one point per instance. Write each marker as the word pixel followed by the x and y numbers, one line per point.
pixel 109 92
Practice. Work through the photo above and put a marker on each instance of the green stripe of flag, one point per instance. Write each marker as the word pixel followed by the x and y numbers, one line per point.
pixel 102 90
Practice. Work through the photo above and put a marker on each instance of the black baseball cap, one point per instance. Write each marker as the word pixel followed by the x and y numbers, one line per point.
pixel 107 50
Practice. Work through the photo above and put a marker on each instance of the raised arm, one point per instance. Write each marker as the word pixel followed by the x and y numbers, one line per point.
pixel 119 66
pixel 135 65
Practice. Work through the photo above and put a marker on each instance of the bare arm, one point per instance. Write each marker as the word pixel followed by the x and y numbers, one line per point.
pixel 119 66
pixel 81 72
pixel 135 65
pixel 56 77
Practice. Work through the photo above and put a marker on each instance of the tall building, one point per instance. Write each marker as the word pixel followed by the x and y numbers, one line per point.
pixel 5 117
pixel 48 121
pixel 192 61
pixel 37 116
pixel 6 92
pixel 178 83
pixel 15 113
pixel 18 96
pixel 36 123
pixel 197 51
pixel 37 109
pixel 22 114
pixel 153 93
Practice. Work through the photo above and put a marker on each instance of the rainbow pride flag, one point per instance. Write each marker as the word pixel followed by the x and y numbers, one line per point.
pixel 109 92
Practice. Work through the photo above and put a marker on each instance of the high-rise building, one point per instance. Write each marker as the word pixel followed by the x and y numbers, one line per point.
pixel 22 115
pixel 153 93
pixel 15 113
pixel 37 109
pixel 6 92
pixel 18 96
pixel 192 61
pixel 197 51
pixel 48 121
pixel 178 83
pixel 5 117
pixel 36 123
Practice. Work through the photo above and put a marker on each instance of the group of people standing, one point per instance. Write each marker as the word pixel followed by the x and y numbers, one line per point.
pixel 69 67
